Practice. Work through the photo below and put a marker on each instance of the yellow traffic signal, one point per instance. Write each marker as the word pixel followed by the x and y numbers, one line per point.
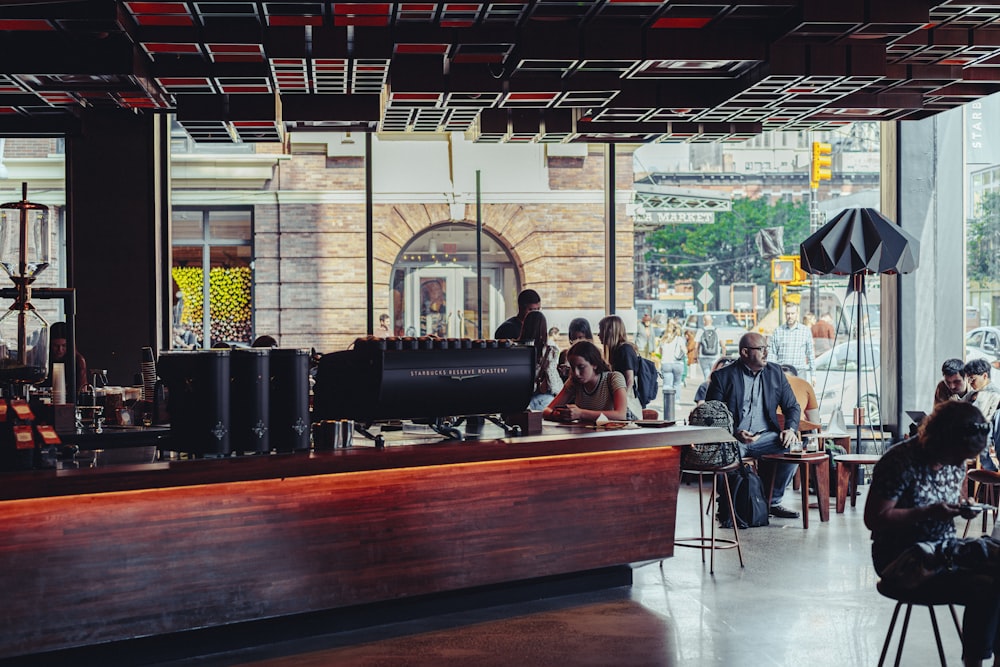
pixel 787 269
pixel 821 163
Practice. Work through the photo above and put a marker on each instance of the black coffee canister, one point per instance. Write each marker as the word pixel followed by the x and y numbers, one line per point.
pixel 198 382
pixel 250 373
pixel 290 420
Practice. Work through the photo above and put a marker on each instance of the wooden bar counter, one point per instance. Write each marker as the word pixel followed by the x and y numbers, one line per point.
pixel 108 554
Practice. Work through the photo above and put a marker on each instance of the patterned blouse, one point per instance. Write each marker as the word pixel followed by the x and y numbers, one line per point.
pixel 602 398
pixel 903 475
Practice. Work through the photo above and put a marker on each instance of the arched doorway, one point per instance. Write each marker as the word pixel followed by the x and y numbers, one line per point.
pixel 434 284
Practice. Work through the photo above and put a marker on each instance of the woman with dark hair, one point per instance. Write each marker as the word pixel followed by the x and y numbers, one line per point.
pixel 916 492
pixel 593 388
pixel 534 333
pixel 579 329
pixel 623 357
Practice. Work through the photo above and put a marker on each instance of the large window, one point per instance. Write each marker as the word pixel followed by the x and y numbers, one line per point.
pixel 39 163
pixel 213 279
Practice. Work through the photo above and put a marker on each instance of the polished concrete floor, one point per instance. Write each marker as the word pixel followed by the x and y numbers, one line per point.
pixel 805 597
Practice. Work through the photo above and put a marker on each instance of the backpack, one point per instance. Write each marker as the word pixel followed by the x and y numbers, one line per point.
pixel 710 342
pixel 646 381
pixel 712 454
pixel 748 500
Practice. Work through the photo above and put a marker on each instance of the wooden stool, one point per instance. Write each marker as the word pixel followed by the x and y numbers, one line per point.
pixel 820 461
pixel 989 481
pixel 712 543
pixel 909 599
pixel 847 476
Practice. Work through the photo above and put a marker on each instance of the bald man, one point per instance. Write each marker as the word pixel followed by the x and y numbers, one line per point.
pixel 754 389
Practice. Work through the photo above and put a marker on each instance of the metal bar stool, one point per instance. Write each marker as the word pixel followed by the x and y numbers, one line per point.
pixel 909 599
pixel 711 543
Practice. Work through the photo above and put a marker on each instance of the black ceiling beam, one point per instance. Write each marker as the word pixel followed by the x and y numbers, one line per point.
pixel 59 11
pixel 58 53
pixel 49 125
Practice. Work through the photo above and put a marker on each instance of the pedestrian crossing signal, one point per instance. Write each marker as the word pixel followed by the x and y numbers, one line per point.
pixel 787 270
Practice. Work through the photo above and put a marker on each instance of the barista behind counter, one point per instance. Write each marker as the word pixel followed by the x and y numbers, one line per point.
pixel 58 349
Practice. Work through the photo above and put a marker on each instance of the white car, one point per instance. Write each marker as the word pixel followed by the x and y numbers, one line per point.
pixel 837 382
pixel 984 343
pixel 729 328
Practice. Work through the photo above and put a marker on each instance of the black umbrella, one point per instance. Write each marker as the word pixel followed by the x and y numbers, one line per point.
pixel 859 240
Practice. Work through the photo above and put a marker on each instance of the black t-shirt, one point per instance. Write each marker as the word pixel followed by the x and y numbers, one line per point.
pixel 626 359
pixel 509 329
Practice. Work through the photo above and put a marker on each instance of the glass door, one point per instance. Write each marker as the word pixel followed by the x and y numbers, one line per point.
pixel 441 301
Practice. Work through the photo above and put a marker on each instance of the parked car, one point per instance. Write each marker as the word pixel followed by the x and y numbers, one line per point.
pixel 837 382
pixel 729 328
pixel 984 343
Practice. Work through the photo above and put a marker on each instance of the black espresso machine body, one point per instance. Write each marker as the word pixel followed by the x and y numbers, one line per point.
pixel 419 379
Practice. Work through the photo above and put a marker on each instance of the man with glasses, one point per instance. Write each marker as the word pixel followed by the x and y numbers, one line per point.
pixel 754 389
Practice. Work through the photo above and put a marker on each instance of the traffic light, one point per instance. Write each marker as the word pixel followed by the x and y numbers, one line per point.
pixel 821 163
pixel 787 269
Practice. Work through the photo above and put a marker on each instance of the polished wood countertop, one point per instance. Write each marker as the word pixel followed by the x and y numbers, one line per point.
pixel 555 440
pixel 111 553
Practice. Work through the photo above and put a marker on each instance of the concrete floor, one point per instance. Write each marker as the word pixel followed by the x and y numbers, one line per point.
pixel 805 597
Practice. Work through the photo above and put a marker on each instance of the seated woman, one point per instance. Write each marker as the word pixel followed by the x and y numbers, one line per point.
pixel 591 390
pixel 914 497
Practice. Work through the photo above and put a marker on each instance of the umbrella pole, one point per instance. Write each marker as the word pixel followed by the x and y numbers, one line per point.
pixel 859 293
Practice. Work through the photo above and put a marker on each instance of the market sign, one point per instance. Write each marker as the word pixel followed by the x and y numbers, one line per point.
pixel 654 206
pixel 681 217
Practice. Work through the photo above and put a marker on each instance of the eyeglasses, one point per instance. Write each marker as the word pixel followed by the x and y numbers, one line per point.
pixel 762 348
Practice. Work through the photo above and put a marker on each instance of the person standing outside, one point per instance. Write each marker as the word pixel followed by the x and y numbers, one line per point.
pixel 823 333
pixel 709 346
pixel 754 389
pixel 792 342
pixel 645 340
pixel 673 352
pixel 527 301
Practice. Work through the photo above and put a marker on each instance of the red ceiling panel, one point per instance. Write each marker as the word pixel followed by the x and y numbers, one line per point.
pixel 631 64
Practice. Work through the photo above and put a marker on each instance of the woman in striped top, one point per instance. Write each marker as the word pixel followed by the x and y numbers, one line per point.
pixel 592 388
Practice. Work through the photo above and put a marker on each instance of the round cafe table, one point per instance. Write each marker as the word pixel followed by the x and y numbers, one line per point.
pixel 819 463
pixel 847 476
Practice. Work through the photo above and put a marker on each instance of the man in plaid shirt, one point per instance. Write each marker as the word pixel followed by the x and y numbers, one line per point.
pixel 792 342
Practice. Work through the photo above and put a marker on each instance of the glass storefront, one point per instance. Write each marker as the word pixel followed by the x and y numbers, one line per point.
pixel 212 275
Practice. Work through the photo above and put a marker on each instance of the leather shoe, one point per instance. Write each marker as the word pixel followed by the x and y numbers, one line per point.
pixel 783 512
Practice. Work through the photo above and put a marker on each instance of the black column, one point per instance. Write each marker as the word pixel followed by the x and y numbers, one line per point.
pixel 114 205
